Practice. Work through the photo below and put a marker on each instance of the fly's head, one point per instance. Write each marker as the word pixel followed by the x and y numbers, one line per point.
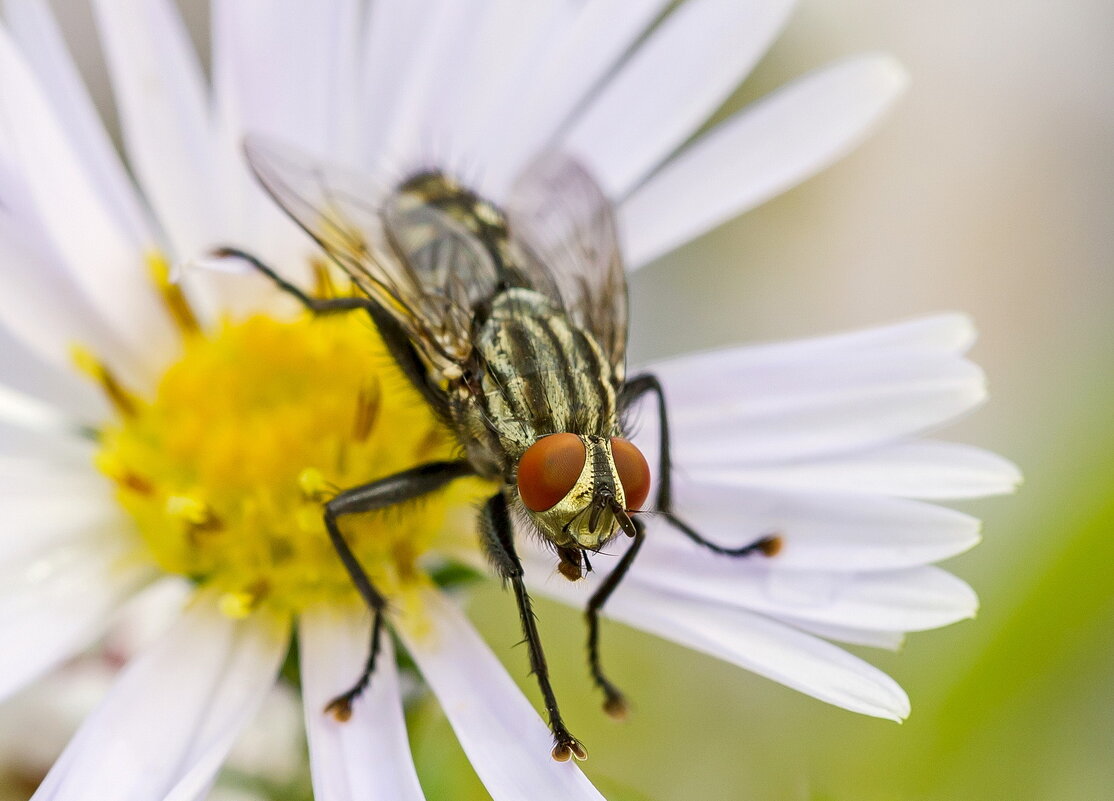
pixel 580 489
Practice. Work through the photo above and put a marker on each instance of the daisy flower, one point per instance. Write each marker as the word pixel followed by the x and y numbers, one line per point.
pixel 208 419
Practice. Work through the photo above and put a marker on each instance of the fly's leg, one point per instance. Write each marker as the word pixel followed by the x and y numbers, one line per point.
pixel 634 389
pixel 315 305
pixel 498 539
pixel 396 339
pixel 614 703
pixel 380 494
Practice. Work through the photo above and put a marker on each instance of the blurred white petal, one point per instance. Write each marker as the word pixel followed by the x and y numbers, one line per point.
pixel 759 153
pixel 54 605
pixel 848 635
pixel 24 411
pixel 819 531
pixel 49 507
pixel 505 740
pixel 34 270
pixel 751 641
pixel 913 599
pixel 813 398
pixel 395 38
pixel 33 26
pixel 478 56
pixel 926 469
pixel 164 110
pixel 284 70
pixel 99 251
pixel 541 101
pixel 368 757
pixel 174 712
pixel 670 85
pixel 450 29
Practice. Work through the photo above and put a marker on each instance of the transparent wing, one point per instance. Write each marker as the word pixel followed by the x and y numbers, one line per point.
pixel 561 217
pixel 419 264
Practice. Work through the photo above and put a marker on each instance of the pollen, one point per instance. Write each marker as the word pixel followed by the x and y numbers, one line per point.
pixel 226 466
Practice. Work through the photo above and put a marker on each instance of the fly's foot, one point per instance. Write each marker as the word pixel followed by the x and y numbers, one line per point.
pixel 568 747
pixel 616 706
pixel 770 545
pixel 341 706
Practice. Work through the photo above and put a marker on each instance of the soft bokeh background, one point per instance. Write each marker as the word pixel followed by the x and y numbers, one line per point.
pixel 988 190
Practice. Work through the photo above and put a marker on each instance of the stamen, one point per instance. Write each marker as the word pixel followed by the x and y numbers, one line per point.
pixel 367 411
pixel 112 467
pixel 196 516
pixel 323 284
pixel 314 485
pixel 238 605
pixel 123 401
pixel 176 303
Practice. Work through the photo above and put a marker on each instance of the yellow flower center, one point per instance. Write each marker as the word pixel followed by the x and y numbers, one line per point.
pixel 226 467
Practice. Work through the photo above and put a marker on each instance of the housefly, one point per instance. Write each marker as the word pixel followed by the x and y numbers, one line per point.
pixel 512 324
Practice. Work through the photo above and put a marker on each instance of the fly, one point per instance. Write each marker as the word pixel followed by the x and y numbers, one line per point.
pixel 512 324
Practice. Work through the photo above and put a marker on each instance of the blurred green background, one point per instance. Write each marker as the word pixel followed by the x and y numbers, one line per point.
pixel 988 190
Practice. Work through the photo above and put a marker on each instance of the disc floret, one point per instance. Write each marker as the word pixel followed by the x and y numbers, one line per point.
pixel 226 465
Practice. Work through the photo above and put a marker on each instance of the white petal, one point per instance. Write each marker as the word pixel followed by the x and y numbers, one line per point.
pixel 282 70
pixel 938 335
pixel 578 59
pixel 46 446
pixel 441 82
pixel 44 511
pixel 759 153
pixel 764 646
pixel 23 411
pixel 290 67
pixel 478 82
pixel 394 38
pixel 368 757
pixel 671 84
pixel 917 469
pixel 801 400
pixel 33 26
pixel 103 257
pixel 872 638
pixel 820 531
pixel 505 740
pixel 27 371
pixel 53 606
pixel 33 271
pixel 164 112
pixel 173 714
pixel 914 599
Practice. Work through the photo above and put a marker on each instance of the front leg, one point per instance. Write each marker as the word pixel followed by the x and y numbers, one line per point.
pixel 388 491
pixel 634 389
pixel 498 539
pixel 614 703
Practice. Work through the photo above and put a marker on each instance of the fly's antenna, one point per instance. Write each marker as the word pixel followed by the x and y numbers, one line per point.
pixel 623 517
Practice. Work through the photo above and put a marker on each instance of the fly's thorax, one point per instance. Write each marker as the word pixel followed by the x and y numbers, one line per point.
pixel 541 373
pixel 582 515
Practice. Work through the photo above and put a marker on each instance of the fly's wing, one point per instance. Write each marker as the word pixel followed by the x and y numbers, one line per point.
pixel 564 222
pixel 426 280
pixel 449 263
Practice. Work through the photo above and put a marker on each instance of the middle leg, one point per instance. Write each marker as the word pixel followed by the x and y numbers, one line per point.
pixel 498 537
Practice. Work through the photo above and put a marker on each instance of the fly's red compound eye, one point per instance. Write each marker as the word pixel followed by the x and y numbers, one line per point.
pixel 549 469
pixel 633 471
